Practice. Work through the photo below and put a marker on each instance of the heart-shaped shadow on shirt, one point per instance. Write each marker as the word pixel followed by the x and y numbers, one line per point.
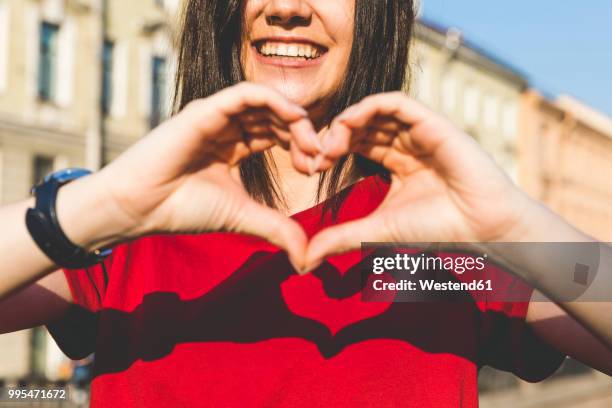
pixel 260 302
pixel 328 297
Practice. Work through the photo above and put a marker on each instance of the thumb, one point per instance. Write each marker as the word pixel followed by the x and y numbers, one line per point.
pixel 343 238
pixel 284 232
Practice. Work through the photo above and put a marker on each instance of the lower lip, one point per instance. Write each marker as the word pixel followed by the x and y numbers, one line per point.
pixel 288 62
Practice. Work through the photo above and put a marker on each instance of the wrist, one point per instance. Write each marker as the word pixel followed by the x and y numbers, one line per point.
pixel 89 216
pixel 538 223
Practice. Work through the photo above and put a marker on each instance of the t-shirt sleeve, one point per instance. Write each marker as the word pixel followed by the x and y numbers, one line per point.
pixel 76 332
pixel 507 341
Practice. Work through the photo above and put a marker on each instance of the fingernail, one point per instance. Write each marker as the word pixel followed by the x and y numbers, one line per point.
pixel 296 265
pixel 309 267
pixel 342 117
pixel 347 114
pixel 316 141
pixel 305 270
pixel 300 110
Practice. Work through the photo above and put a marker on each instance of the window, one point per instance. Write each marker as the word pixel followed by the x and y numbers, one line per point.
pixel 107 76
pixel 43 165
pixel 158 91
pixel 47 64
pixel 509 120
pixel 120 79
pixel 491 112
pixel 4 43
pixel 424 81
pixel 449 93
pixel 471 108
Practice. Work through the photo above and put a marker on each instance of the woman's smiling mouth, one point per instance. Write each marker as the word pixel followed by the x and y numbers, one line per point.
pixel 288 52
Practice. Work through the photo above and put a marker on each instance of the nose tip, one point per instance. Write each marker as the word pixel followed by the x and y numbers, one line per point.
pixel 288 12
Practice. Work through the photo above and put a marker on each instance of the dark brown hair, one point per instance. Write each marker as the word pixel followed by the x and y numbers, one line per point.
pixel 209 61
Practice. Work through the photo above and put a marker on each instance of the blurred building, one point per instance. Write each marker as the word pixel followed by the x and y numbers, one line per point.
pixel 564 157
pixel 475 89
pixel 565 153
pixel 559 152
pixel 565 161
pixel 80 80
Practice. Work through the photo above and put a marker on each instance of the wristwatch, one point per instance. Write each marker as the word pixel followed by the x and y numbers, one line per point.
pixel 44 227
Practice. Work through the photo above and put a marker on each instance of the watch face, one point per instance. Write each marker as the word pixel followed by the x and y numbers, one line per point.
pixel 66 175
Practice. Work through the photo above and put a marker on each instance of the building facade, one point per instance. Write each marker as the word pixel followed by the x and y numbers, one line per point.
pixel 80 81
pixel 476 90
pixel 564 158
pixel 566 161
pixel 558 151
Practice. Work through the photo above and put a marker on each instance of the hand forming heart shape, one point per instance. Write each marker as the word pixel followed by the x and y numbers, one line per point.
pixel 179 178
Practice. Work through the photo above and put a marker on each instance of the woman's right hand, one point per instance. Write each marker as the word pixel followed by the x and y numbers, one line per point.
pixel 181 178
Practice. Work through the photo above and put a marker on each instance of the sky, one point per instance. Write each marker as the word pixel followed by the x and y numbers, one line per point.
pixel 564 46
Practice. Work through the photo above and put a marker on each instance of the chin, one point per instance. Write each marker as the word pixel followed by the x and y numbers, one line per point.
pixel 297 92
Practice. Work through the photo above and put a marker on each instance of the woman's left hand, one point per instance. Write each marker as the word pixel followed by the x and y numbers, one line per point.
pixel 444 187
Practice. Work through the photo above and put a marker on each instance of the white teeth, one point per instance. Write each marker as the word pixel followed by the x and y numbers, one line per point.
pixel 288 50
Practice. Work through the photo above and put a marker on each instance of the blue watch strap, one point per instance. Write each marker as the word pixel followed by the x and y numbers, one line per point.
pixel 44 227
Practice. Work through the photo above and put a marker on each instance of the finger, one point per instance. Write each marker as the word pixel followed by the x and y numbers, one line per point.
pixel 410 113
pixel 280 128
pixel 388 124
pixel 238 98
pixel 276 228
pixel 259 142
pixel 265 129
pixel 389 132
pixel 337 141
pixel 380 130
pixel 255 128
pixel 376 153
pixel 283 135
pixel 341 140
pixel 343 238
pixel 296 118
pixel 302 162
pixel 255 115
pixel 322 163
pixel 209 116
pixel 382 105
pixel 426 135
pixel 391 158
pixel 306 137
pixel 301 130
pixel 380 136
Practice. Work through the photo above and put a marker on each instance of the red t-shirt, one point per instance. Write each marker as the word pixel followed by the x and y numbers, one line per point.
pixel 222 320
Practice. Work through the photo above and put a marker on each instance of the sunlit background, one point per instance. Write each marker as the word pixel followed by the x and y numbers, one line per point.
pixel 81 80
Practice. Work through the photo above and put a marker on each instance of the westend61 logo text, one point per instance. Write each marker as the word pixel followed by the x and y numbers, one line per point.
pixel 421 262
pixel 412 264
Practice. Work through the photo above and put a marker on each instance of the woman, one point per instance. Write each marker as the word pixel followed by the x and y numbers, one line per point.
pixel 222 319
